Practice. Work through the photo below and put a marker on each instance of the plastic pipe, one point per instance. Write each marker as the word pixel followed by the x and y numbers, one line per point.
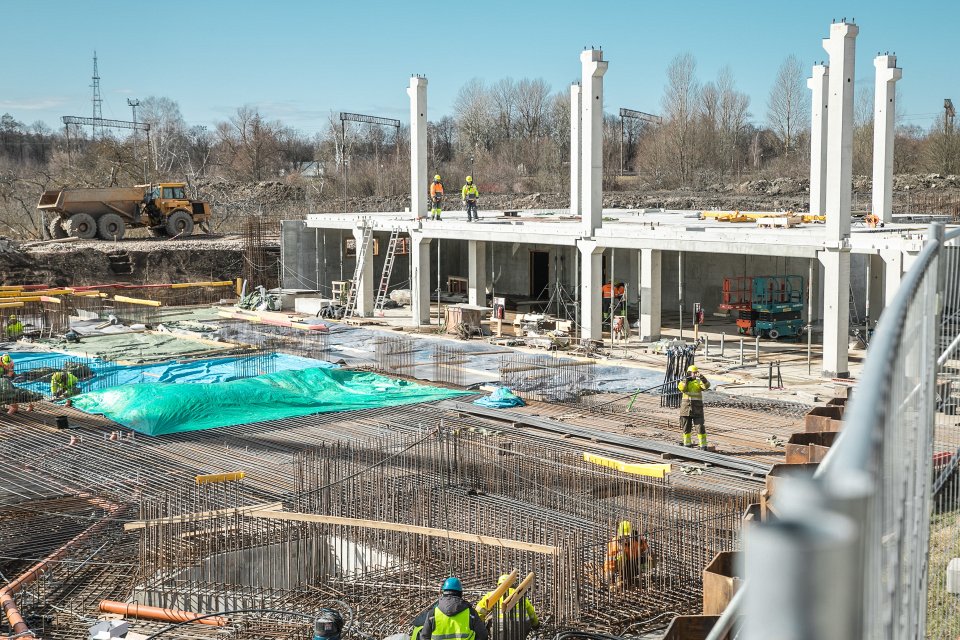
pixel 133 610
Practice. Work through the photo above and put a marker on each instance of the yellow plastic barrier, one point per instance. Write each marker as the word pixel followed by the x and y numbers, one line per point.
pixel 653 470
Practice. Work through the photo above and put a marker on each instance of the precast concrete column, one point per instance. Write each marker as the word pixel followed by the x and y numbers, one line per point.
pixel 633 284
pixel 419 279
pixel 477 272
pixel 836 311
pixel 593 68
pixel 418 146
pixel 818 138
pixel 892 272
pixel 875 287
pixel 591 271
pixel 650 302
pixel 365 286
pixel 576 172
pixel 841 46
pixel 884 105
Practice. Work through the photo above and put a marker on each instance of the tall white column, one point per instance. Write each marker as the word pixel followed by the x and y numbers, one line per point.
pixel 892 272
pixel 418 146
pixel 477 272
pixel 591 83
pixel 591 270
pixel 575 152
pixel 650 302
pixel 365 286
pixel 841 46
pixel 633 284
pixel 419 279
pixel 836 312
pixel 884 105
pixel 818 138
pixel 875 286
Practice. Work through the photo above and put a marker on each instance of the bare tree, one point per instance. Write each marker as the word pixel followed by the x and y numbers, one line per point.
pixel 532 103
pixel 733 116
pixel 788 107
pixel 473 114
pixel 679 109
pixel 167 133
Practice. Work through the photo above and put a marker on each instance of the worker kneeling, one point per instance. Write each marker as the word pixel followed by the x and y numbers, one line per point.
pixel 453 617
pixel 628 558
pixel 515 624
pixel 64 384
pixel 691 407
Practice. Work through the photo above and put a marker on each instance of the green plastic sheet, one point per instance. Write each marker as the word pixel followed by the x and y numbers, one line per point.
pixel 158 408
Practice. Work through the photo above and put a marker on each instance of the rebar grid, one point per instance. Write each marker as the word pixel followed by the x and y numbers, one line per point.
pixel 446 360
pixel 395 355
pixel 302 342
pixel 133 313
pixel 546 378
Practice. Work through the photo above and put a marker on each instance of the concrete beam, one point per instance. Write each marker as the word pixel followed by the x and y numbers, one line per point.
pixel 365 286
pixel 593 67
pixel 836 312
pixel 884 105
pixel 418 146
pixel 575 152
pixel 591 271
pixel 819 87
pixel 841 46
pixel 477 272
pixel 650 298
pixel 420 279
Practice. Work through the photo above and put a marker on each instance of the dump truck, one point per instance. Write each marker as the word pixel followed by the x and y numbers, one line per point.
pixel 107 213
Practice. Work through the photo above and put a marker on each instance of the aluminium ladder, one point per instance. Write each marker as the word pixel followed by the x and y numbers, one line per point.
pixel 387 271
pixel 362 248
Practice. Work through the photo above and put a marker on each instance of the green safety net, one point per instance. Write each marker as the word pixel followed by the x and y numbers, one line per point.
pixel 160 408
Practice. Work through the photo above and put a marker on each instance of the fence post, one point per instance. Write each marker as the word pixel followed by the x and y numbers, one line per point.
pixel 723 337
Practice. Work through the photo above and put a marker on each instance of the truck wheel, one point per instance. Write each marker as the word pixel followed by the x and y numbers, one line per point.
pixel 111 226
pixel 179 223
pixel 81 225
pixel 57 232
pixel 774 334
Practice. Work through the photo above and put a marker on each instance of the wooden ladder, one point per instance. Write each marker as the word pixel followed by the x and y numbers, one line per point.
pixel 388 260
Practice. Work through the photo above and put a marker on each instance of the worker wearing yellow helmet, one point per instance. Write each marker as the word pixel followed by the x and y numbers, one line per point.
pixel 14 328
pixel 522 616
pixel 469 196
pixel 691 406
pixel 628 557
pixel 6 366
pixel 436 197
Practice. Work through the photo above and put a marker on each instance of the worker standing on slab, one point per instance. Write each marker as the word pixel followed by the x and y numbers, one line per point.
pixel 518 623
pixel 453 617
pixel 14 328
pixel 469 195
pixel 691 407
pixel 328 625
pixel 64 384
pixel 436 196
pixel 628 557
pixel 6 366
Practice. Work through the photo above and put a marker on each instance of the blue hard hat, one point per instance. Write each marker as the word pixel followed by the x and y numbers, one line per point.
pixel 452 584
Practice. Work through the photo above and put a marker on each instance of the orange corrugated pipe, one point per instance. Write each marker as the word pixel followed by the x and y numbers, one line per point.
pixel 31 575
pixel 133 610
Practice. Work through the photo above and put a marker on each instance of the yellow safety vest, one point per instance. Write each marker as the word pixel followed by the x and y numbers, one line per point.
pixel 455 627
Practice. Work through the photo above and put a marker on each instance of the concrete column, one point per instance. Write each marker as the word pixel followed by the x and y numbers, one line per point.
pixel 365 286
pixel 875 288
pixel 477 272
pixel 841 46
pixel 650 302
pixel 818 138
pixel 836 312
pixel 892 273
pixel 418 146
pixel 419 279
pixel 593 68
pixel 884 105
pixel 591 270
pixel 575 151
pixel 633 283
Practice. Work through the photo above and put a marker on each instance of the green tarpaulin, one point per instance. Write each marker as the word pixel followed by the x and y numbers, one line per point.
pixel 157 409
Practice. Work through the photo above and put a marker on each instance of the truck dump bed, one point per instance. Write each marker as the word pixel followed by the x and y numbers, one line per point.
pixel 122 200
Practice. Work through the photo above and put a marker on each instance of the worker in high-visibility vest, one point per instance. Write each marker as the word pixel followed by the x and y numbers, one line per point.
pixel 6 366
pixel 523 615
pixel 436 197
pixel 469 195
pixel 14 328
pixel 64 384
pixel 453 617
pixel 628 557
pixel 691 406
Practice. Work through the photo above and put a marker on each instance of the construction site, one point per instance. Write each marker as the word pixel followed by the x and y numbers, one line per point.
pixel 228 437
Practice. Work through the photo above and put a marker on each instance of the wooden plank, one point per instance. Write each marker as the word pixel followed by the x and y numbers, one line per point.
pixel 652 470
pixel 211 478
pixel 517 596
pixel 381 525
pixel 136 525
pixel 146 303
pixel 187 285
pixel 497 593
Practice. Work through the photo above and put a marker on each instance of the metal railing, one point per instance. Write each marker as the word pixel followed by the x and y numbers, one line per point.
pixel 850 555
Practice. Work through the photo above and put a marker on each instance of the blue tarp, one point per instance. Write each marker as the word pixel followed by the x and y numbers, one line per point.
pixel 502 398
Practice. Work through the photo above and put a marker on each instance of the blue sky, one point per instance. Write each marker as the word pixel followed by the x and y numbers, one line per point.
pixel 298 60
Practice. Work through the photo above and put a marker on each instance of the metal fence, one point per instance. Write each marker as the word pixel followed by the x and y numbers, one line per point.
pixel 861 549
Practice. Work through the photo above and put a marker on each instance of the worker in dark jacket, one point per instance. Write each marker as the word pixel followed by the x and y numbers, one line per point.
pixel 453 617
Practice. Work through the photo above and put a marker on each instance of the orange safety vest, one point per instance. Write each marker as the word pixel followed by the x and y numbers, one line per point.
pixel 436 188
pixel 622 554
pixel 606 290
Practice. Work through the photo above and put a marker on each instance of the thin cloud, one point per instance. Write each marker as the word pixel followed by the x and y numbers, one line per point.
pixel 38 104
